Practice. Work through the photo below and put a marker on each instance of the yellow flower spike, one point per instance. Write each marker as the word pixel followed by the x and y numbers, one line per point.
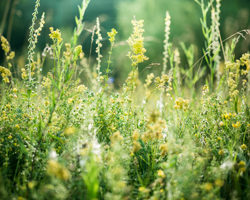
pixel 135 42
pixel 112 35
pixel 5 45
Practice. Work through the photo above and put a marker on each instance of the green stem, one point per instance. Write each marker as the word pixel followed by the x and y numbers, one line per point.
pixel 3 22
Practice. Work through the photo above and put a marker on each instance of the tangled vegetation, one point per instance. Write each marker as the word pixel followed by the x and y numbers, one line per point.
pixel 181 135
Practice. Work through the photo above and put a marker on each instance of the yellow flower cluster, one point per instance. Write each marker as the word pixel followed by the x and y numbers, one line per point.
pixel 242 166
pixel 245 61
pixel 5 73
pixel 5 45
pixel 116 137
pixel 228 116
pixel 149 79
pixel 164 149
pixel 161 81
pixel 136 43
pixel 243 147
pixel 136 144
pixel 24 74
pixel 56 169
pixel 155 128
pixel 69 131
pixel 161 174
pixel 208 186
pixel 112 35
pixel 233 76
pixel 81 88
pixel 234 72
pixel 181 104
pixel 236 125
pixel 55 35
pixel 6 48
pixel 46 82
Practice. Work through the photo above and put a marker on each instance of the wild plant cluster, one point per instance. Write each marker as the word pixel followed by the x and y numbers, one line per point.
pixel 159 138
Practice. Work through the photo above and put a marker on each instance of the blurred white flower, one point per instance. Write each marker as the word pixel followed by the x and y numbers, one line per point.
pixel 53 155
pixel 227 165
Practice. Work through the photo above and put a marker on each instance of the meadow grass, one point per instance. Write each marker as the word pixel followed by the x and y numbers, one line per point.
pixel 68 134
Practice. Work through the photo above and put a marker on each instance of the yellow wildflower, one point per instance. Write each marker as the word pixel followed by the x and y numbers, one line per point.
pixel 144 190
pixel 55 35
pixel 116 137
pixel 208 186
pixel 136 146
pixel 112 35
pixel 242 166
pixel 17 126
pixel 136 135
pixel 221 152
pixel 135 42
pixel 5 73
pixel 56 169
pixel 219 138
pixel 181 103
pixel 70 100
pixel 236 125
pixel 164 149
pixel 14 90
pixel 5 45
pixel 69 131
pixel 161 174
pixel 243 147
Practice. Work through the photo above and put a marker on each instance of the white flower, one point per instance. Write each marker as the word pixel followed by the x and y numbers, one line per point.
pixel 96 147
pixel 227 165
pixel 53 155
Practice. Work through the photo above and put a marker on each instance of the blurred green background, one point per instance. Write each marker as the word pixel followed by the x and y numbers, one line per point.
pixel 185 25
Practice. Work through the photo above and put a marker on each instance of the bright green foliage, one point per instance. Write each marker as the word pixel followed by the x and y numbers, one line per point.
pixel 162 138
